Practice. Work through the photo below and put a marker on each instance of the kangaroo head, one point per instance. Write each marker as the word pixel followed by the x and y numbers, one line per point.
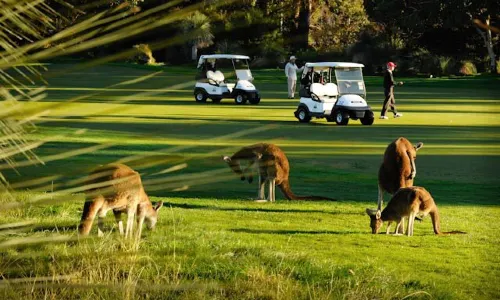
pixel 375 220
pixel 235 166
pixel 152 216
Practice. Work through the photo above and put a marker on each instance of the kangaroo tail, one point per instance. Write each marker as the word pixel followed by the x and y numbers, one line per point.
pixel 435 220
pixel 287 191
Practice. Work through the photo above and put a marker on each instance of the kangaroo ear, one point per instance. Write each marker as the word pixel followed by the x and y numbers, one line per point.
pixel 418 146
pixel 158 205
pixel 371 212
pixel 226 159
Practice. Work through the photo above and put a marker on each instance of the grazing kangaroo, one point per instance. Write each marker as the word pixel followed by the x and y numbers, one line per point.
pixel 406 202
pixel 119 188
pixel 273 168
pixel 398 169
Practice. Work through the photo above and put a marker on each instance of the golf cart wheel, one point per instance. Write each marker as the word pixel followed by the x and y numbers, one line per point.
pixel 200 96
pixel 341 117
pixel 240 98
pixel 303 115
pixel 368 118
pixel 216 100
pixel 255 100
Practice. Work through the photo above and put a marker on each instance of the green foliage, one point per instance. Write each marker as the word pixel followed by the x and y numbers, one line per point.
pixel 199 24
pixel 424 62
pixel 443 27
pixel 272 51
pixel 335 25
pixel 467 68
pixel 446 65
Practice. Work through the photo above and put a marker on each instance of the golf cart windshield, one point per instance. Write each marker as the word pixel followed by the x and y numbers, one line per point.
pixel 350 81
pixel 242 69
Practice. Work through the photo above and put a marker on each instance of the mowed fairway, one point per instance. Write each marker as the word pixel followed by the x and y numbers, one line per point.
pixel 211 241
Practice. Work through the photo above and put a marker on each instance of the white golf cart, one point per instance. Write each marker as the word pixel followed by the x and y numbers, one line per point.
pixel 211 83
pixel 335 91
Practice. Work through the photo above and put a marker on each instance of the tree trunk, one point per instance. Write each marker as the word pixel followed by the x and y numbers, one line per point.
pixel 302 20
pixel 489 45
pixel 194 52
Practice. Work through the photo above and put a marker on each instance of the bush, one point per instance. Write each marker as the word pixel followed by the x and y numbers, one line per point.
pixel 446 65
pixel 146 53
pixel 271 51
pixel 422 61
pixel 373 50
pixel 467 68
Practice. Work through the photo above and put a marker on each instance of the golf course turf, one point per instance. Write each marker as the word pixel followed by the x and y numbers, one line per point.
pixel 211 240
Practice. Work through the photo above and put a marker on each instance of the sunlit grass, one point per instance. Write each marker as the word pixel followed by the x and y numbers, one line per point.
pixel 209 240
pixel 227 244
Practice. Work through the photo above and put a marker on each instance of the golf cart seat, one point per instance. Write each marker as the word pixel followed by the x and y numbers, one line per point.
pixel 331 89
pixel 320 92
pixel 216 77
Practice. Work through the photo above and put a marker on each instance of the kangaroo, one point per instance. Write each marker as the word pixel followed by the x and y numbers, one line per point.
pixel 406 202
pixel 398 169
pixel 119 188
pixel 273 168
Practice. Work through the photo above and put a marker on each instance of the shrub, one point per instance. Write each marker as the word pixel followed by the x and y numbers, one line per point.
pixel 446 65
pixel 467 68
pixel 145 50
pixel 422 61
pixel 271 51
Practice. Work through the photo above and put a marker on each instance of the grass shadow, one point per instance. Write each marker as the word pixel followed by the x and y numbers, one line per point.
pixel 54 228
pixel 247 209
pixel 291 232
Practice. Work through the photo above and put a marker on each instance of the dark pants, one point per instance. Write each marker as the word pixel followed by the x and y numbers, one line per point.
pixel 389 102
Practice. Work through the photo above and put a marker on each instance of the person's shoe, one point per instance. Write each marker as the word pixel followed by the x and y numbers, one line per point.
pixel 383 117
pixel 398 115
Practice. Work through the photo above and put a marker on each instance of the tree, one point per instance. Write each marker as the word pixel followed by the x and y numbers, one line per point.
pixel 444 27
pixel 198 27
pixel 334 25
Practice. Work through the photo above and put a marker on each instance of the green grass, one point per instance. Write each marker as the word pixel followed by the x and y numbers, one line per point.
pixel 213 243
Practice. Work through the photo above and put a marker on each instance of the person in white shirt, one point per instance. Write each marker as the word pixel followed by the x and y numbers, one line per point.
pixel 291 70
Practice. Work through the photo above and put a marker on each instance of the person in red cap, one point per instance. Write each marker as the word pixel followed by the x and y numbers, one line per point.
pixel 389 101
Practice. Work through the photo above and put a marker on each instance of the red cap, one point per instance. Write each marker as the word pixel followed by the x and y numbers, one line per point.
pixel 391 65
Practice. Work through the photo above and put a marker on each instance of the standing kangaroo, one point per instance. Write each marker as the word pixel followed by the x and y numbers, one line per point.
pixel 119 188
pixel 273 168
pixel 398 169
pixel 406 202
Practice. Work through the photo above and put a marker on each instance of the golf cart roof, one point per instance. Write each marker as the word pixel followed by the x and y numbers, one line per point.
pixel 217 56
pixel 333 65
pixel 229 56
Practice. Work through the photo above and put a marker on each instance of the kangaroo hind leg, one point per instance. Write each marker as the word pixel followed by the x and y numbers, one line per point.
pixel 131 212
pixel 272 184
pixel 380 200
pixel 411 223
pixel 262 185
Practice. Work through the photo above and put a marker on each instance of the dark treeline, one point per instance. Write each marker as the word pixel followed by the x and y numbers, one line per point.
pixel 423 36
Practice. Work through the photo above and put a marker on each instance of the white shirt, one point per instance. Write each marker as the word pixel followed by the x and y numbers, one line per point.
pixel 291 70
